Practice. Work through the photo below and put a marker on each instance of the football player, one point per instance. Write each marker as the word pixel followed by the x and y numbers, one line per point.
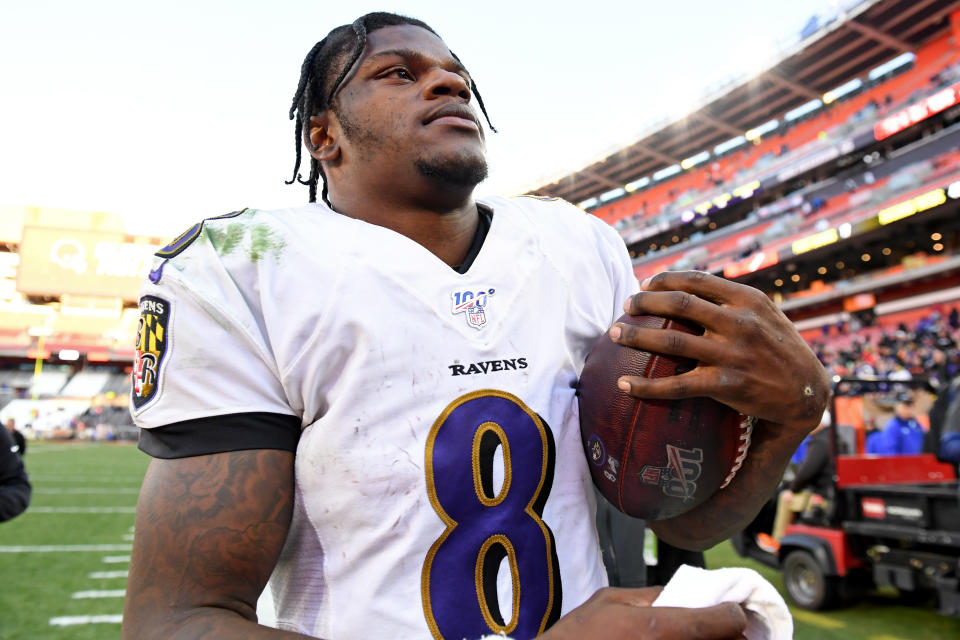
pixel 370 401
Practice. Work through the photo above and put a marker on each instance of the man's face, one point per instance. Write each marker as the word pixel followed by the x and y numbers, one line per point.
pixel 904 410
pixel 406 107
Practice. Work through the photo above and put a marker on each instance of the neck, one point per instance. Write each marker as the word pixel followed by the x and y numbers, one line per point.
pixel 443 221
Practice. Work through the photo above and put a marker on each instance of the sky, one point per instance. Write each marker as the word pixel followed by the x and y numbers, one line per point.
pixel 170 112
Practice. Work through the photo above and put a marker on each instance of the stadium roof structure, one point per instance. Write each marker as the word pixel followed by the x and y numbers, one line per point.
pixel 846 47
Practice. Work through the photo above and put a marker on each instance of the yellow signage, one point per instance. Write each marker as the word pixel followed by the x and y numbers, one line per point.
pixel 55 261
pixel 815 241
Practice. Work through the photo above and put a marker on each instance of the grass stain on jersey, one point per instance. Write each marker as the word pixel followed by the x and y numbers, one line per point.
pixel 263 241
pixel 225 241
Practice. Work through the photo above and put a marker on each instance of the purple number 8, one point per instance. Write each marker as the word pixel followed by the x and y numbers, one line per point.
pixel 458 582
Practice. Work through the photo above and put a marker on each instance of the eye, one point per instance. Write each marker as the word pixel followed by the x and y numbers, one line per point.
pixel 399 72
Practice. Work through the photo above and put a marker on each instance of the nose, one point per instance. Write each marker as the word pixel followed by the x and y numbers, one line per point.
pixel 447 83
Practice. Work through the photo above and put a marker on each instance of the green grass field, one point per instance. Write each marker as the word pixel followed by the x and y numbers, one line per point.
pixel 83 507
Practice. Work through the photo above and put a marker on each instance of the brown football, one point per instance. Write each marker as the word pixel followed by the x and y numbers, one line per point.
pixel 654 459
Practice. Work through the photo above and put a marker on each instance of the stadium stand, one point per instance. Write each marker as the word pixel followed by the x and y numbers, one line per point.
pixel 85 384
pixel 828 180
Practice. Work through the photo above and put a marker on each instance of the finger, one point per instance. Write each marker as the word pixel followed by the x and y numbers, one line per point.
pixel 725 621
pixel 668 342
pixel 688 385
pixel 702 284
pixel 676 304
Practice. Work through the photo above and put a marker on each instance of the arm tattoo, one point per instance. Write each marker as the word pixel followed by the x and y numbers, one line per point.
pixel 209 531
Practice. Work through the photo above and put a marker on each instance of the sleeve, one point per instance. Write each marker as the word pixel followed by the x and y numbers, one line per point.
pixel 14 485
pixel 204 377
pixel 619 266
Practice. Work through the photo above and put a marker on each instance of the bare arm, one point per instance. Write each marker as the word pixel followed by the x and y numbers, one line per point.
pixel 209 530
pixel 750 358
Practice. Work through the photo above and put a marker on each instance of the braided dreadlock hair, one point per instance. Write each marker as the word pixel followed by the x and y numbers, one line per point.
pixel 322 74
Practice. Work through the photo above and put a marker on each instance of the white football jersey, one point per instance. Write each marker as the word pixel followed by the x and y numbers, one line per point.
pixel 441 484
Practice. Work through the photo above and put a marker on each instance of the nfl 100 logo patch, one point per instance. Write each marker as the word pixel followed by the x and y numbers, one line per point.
pixel 473 304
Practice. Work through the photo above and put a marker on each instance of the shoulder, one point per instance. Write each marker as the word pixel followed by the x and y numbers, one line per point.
pixel 537 208
pixel 256 230
pixel 555 218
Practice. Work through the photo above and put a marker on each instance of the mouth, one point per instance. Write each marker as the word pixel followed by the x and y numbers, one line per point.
pixel 456 115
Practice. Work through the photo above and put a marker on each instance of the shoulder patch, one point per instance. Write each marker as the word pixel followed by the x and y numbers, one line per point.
pixel 153 342
pixel 184 240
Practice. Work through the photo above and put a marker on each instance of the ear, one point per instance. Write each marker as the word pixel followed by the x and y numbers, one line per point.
pixel 322 138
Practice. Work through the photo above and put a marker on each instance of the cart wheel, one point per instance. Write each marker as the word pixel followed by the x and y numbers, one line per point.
pixel 806 583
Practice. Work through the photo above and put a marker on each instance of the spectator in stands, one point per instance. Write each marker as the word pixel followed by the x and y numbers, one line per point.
pixel 18 439
pixel 14 485
pixel 902 435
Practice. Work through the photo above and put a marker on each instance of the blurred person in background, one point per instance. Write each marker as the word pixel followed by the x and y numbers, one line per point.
pixel 18 438
pixel 14 485
pixel 943 438
pixel 902 435
pixel 810 486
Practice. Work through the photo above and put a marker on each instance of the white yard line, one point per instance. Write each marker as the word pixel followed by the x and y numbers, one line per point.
pixel 87 490
pixel 54 548
pixel 116 559
pixel 81 510
pixel 100 593
pixel 67 621
pixel 106 575
pixel 104 479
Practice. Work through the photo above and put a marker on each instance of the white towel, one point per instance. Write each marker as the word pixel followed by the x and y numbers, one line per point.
pixel 767 615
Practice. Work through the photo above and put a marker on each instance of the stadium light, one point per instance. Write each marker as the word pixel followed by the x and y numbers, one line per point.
pixel 757 132
pixel 672 170
pixel 637 184
pixel 69 355
pixel 610 195
pixel 694 160
pixel 891 65
pixel 589 202
pixel 954 190
pixel 841 91
pixel 802 110
pixel 732 143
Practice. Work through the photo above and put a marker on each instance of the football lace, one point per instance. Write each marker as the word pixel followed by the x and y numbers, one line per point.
pixel 746 431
